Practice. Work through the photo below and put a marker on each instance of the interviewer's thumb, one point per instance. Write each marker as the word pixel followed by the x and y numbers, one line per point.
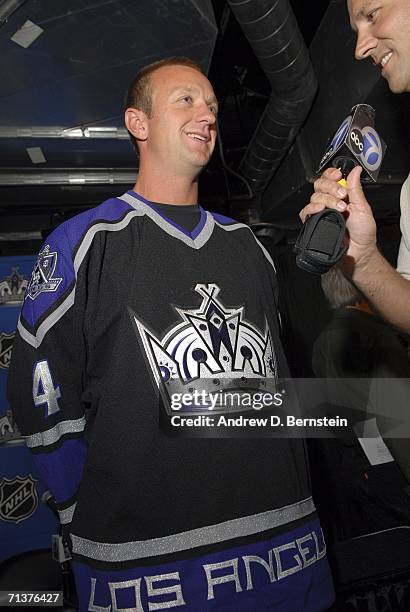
pixel 354 186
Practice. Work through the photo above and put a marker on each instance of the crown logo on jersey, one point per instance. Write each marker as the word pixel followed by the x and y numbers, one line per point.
pixel 42 277
pixel 213 349
pixel 12 287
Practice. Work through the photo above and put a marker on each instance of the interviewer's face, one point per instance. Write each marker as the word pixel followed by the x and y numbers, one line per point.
pixel 383 34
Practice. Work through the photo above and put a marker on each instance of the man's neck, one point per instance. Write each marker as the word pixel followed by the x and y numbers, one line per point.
pixel 168 189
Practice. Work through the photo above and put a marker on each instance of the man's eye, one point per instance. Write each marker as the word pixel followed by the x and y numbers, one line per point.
pixel 371 16
pixel 187 99
pixel 213 109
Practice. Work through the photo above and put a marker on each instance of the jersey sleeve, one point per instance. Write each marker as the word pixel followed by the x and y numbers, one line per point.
pixel 45 380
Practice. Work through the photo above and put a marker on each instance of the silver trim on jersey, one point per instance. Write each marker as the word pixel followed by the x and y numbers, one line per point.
pixel 202 536
pixel 55 316
pixel 50 436
pixel 66 515
pixel 234 226
pixel 194 243
pixel 51 320
pixel 140 209
pixel 265 252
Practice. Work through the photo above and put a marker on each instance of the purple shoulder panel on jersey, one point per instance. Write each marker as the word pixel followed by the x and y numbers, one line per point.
pixel 222 219
pixel 54 273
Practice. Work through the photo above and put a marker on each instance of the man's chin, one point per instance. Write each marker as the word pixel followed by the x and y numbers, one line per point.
pixel 398 86
pixel 200 161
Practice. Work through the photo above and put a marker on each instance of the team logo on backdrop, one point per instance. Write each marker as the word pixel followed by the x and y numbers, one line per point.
pixel 8 428
pixel 12 287
pixel 42 279
pixel 213 344
pixel 6 346
pixel 18 498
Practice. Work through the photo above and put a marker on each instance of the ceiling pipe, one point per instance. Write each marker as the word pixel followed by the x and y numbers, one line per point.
pixel 8 7
pixel 271 28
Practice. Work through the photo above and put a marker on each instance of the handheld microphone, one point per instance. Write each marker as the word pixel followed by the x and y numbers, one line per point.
pixel 356 142
pixel 319 245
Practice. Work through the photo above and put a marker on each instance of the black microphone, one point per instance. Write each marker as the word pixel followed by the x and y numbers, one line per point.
pixel 319 245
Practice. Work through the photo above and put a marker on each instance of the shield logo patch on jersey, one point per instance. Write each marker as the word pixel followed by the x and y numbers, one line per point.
pixel 18 498
pixel 42 278
pixel 6 346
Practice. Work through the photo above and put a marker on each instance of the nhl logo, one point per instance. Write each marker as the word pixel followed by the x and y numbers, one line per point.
pixel 12 288
pixel 18 498
pixel 42 279
pixel 6 346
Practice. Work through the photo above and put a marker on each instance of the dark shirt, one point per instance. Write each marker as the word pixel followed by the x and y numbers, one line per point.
pixel 354 350
pixel 186 215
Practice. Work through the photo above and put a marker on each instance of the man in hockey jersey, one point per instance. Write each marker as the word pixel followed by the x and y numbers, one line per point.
pixel 145 292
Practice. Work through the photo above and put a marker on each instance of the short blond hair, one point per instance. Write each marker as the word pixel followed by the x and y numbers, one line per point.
pixel 139 93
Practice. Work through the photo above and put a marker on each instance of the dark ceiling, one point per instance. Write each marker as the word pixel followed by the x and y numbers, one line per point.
pixel 65 68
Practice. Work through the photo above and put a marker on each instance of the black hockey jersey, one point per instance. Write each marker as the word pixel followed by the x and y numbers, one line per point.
pixel 123 302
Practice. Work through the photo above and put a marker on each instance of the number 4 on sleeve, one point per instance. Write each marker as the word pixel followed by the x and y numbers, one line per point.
pixel 44 391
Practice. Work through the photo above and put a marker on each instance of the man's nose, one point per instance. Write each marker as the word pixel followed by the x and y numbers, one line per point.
pixel 365 44
pixel 205 114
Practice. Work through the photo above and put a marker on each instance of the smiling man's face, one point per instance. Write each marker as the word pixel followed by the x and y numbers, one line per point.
pixel 383 34
pixel 182 128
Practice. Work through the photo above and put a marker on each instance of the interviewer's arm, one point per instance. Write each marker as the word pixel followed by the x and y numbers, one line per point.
pixel 385 288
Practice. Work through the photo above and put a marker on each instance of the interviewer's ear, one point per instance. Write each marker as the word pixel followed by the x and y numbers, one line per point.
pixel 136 122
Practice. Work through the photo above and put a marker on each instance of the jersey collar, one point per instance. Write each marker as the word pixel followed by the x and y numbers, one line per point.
pixel 195 239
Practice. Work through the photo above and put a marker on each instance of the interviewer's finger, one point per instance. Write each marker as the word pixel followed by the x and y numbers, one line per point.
pixel 332 173
pixel 310 209
pixel 320 201
pixel 328 201
pixel 331 187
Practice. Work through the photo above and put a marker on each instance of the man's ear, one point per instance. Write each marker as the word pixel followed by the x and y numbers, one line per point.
pixel 136 122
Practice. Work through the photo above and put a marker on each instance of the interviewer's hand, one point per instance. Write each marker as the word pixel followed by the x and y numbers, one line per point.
pixel 352 203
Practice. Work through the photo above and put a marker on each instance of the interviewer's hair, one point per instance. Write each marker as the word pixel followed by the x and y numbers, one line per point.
pixel 139 93
pixel 339 291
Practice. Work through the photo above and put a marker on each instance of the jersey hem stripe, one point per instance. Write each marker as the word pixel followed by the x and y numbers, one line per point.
pixel 202 536
pixel 50 436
